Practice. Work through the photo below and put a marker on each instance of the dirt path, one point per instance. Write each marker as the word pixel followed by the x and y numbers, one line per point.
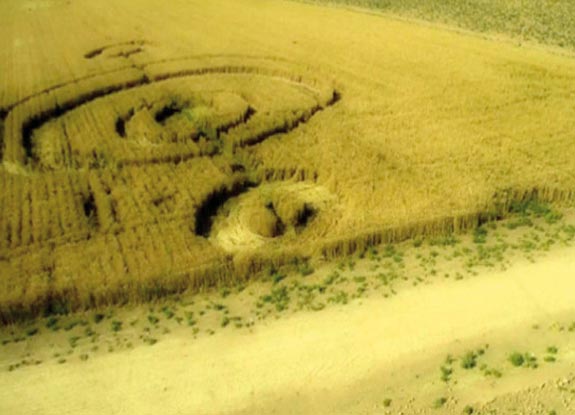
pixel 307 353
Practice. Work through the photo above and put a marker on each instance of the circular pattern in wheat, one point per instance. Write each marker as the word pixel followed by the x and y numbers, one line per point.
pixel 163 111
pixel 125 175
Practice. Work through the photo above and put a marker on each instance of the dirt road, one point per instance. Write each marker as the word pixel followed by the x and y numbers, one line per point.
pixel 308 354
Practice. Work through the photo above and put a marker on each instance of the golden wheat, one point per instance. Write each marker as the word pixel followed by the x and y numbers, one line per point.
pixel 236 138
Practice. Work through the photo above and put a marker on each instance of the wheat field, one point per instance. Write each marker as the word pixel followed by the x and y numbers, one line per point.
pixel 549 22
pixel 150 148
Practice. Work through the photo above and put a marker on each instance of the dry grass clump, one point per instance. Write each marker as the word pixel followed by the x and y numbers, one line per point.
pixel 133 168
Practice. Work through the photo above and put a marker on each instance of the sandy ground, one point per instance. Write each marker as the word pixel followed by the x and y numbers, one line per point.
pixel 299 363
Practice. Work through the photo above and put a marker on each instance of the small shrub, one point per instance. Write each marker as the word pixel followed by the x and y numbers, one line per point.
pixel 116 326
pixel 468 410
pixel 449 240
pixel 552 350
pixel 225 292
pixel 493 372
pixel 553 217
pixel 73 341
pixel 31 331
pixel 317 307
pixel 340 298
pixel 306 269
pixel 153 319
pixel 439 402
pixel 516 359
pixel 279 297
pixel 531 361
pixel 469 360
pixel 150 341
pixel 480 235
pixel 168 312
pixel 446 373
pixel 525 360
pixel 277 278
pixel 71 325
pixel 52 323
pixel 351 264
pixel 332 278
pixel 387 402
pixel 522 221
pixel 98 317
